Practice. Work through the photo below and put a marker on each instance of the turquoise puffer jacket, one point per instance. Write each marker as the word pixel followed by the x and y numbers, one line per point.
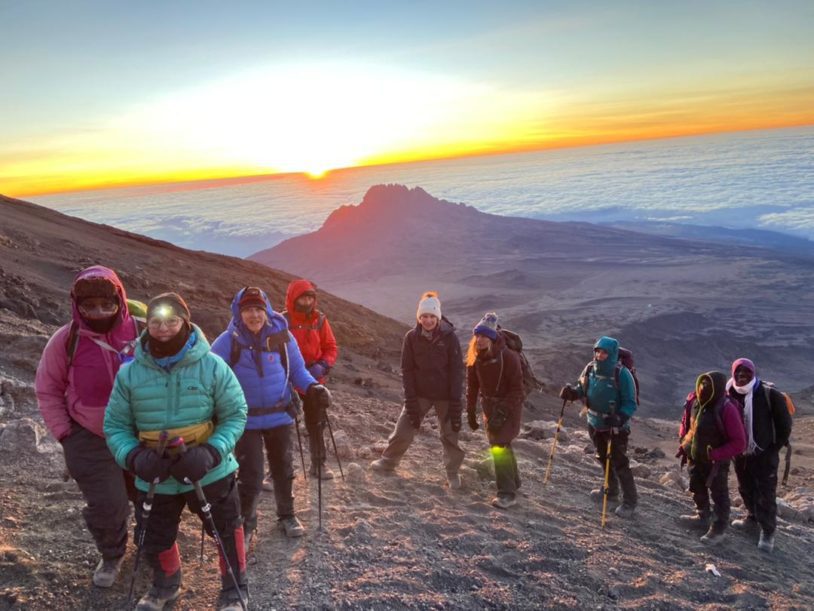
pixel 599 387
pixel 199 388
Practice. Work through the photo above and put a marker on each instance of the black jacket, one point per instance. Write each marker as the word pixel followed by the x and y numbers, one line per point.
pixel 433 368
pixel 771 421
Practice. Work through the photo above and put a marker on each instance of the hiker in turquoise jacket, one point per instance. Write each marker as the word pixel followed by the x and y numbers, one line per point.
pixel 611 400
pixel 176 384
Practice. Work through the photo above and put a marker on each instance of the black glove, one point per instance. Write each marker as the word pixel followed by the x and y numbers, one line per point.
pixel 320 395
pixel 455 419
pixel 682 454
pixel 413 413
pixel 472 418
pixel 148 465
pixel 192 465
pixel 569 393
pixel 616 421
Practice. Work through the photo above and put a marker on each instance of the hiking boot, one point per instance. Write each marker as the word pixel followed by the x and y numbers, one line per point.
pixel 598 495
pixel 715 534
pixel 157 597
pixel 325 472
pixel 454 481
pixel 382 465
pixel 625 511
pixel 229 600
pixel 292 527
pixel 747 523
pixel 502 501
pixel 268 484
pixel 766 543
pixel 695 520
pixel 106 571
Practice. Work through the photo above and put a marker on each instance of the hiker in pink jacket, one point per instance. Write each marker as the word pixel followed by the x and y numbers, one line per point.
pixel 73 384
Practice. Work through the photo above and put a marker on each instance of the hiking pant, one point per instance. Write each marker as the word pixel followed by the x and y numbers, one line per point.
pixel 249 452
pixel 316 435
pixel 711 480
pixel 757 484
pixel 404 433
pixel 160 548
pixel 620 475
pixel 507 476
pixel 106 488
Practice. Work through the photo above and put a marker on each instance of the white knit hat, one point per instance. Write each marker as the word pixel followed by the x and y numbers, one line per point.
pixel 429 304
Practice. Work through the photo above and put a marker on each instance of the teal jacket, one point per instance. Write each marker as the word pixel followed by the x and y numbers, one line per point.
pixel 199 388
pixel 598 384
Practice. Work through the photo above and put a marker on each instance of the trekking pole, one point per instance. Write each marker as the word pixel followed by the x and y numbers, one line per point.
pixel 554 444
pixel 299 443
pixel 333 441
pixel 206 509
pixel 146 508
pixel 320 453
pixel 607 478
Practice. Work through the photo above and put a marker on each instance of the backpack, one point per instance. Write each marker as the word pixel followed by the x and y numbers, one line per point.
pixel 274 343
pixel 625 360
pixel 138 312
pixel 514 342
pixel 767 389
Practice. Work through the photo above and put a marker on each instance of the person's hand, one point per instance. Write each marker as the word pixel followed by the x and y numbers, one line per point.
pixel 320 395
pixel 413 413
pixel 709 452
pixel 318 370
pixel 192 465
pixel 682 454
pixel 569 393
pixel 455 419
pixel 148 465
pixel 472 419
pixel 615 421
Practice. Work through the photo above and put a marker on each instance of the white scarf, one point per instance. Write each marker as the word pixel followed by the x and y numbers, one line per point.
pixel 748 418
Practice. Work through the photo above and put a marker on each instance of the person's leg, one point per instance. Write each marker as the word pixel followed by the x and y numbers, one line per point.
pixel 453 454
pixel 765 478
pixel 249 453
pixel 621 464
pixel 698 473
pixel 505 475
pixel 600 440
pixel 398 442
pixel 224 500
pixel 103 486
pixel 160 547
pixel 719 491
pixel 278 451
pixel 744 471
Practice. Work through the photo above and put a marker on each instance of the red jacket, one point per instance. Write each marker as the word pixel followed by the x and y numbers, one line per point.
pixel 312 331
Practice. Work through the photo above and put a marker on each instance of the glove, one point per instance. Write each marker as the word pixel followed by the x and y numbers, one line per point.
pixel 412 411
pixel 192 465
pixel 569 393
pixel 616 421
pixel 455 419
pixel 320 395
pixel 709 452
pixel 148 465
pixel 682 454
pixel 497 420
pixel 318 370
pixel 472 418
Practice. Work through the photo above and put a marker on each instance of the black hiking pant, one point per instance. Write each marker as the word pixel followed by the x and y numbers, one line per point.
pixel 315 427
pixel 710 480
pixel 757 484
pixel 106 488
pixel 620 476
pixel 160 549
pixel 249 452
pixel 506 474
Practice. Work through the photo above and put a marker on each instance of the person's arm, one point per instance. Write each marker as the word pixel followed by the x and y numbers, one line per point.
pixel 327 343
pixel 230 409
pixel 472 388
pixel 297 371
pixel 408 369
pixel 455 366
pixel 513 375
pixel 120 426
pixel 51 383
pixel 627 393
pixel 736 435
pixel 222 346
pixel 781 418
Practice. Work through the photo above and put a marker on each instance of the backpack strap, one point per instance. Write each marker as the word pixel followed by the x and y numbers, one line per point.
pixel 73 341
pixel 311 327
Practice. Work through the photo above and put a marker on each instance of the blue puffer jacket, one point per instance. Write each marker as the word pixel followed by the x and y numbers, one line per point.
pixel 265 382
pixel 199 388
pixel 600 387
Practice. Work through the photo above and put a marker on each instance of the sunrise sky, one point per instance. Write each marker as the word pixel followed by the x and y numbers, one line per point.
pixel 104 93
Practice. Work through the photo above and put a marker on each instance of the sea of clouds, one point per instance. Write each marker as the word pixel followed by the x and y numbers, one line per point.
pixel 760 179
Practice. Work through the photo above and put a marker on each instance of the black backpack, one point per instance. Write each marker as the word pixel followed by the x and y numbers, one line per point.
pixel 625 360
pixel 514 342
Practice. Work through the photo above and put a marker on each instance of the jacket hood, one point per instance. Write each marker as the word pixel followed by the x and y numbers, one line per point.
pixel 611 346
pixel 295 289
pixel 98 271
pixel 718 380
pixel 276 322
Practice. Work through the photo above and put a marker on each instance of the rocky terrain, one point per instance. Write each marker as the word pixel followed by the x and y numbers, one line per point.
pixel 388 541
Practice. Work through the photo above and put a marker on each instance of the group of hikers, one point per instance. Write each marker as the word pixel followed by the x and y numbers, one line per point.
pixel 158 417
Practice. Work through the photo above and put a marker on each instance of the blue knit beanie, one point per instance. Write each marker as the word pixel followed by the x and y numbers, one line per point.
pixel 487 326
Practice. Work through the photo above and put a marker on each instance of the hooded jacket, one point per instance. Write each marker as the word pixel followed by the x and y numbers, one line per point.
pixel 717 424
pixel 265 381
pixel 198 388
pixel 316 344
pixel 79 393
pixel 599 387
pixel 497 377
pixel 433 368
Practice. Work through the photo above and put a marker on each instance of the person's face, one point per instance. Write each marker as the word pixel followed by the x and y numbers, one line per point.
pixel 600 354
pixel 428 322
pixel 164 325
pixel 305 302
pixel 98 308
pixel 704 390
pixel 254 318
pixel 742 375
pixel 482 342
